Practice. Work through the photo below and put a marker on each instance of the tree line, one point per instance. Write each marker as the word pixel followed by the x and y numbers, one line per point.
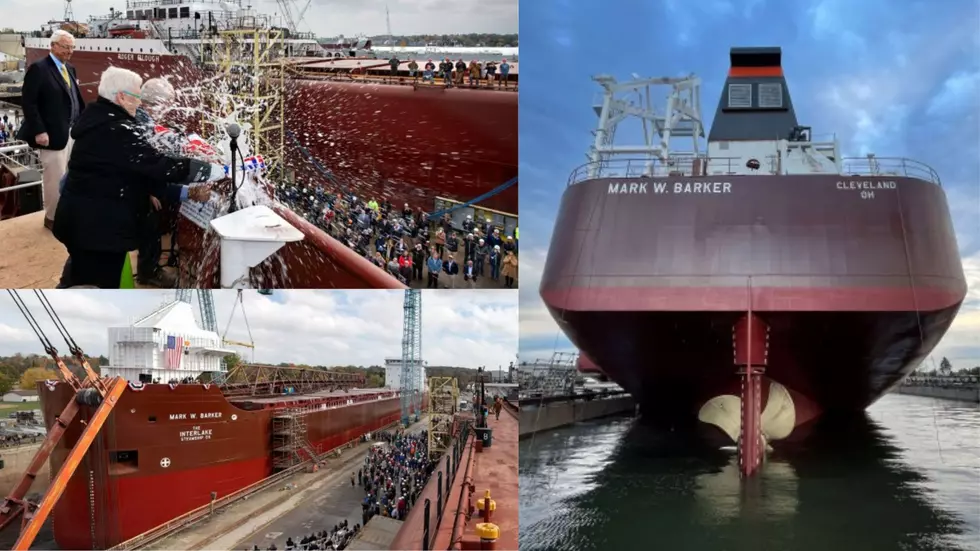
pixel 23 371
pixel 946 369
pixel 472 40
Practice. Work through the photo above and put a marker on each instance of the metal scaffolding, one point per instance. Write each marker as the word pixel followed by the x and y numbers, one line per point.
pixel 268 380
pixel 249 65
pixel 554 377
pixel 290 438
pixel 411 355
pixel 443 404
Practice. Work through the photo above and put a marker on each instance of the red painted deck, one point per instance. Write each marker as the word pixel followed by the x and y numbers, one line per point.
pixel 494 469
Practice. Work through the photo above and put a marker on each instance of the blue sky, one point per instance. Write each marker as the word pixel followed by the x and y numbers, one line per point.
pixel 465 328
pixel 898 78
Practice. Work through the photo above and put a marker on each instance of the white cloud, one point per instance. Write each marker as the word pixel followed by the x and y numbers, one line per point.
pixel 870 105
pixel 540 335
pixel 325 17
pixel 459 327
pixel 536 322
pixel 962 342
pixel 960 90
pixel 685 18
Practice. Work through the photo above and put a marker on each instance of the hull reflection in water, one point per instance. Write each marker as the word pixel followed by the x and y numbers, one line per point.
pixel 848 486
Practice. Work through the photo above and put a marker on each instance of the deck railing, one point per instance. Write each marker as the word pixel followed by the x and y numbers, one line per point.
pixel 691 165
pixel 889 166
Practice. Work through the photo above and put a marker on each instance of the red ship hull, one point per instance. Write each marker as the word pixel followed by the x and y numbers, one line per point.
pixel 152 463
pixel 384 141
pixel 422 144
pixel 855 292
pixel 409 145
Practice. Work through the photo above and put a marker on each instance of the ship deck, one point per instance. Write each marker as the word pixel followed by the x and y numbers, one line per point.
pixel 494 469
pixel 376 65
pixel 306 397
pixel 32 258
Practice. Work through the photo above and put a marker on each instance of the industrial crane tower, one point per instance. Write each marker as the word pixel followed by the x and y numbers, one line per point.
pixel 206 303
pixel 411 354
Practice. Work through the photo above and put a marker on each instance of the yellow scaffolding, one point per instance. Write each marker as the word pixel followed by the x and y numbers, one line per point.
pixel 248 64
pixel 443 404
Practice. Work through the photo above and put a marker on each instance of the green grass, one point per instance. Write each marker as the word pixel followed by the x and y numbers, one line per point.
pixel 18 406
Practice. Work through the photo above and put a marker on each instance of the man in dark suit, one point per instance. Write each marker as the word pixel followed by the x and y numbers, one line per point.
pixel 52 102
pixel 470 273
pixel 451 269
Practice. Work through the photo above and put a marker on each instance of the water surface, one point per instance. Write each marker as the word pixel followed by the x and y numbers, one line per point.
pixel 905 477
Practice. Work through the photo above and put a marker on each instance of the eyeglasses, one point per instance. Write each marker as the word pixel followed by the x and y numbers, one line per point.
pixel 132 95
pixel 65 46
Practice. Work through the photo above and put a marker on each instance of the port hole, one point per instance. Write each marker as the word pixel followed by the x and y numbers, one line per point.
pixel 153 418
pixel 123 462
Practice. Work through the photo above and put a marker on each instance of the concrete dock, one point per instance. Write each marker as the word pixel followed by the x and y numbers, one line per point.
pixel 960 394
pixel 322 507
pixel 15 462
pixel 539 414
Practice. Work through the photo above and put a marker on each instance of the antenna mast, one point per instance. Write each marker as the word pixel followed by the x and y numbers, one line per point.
pixel 69 16
pixel 391 38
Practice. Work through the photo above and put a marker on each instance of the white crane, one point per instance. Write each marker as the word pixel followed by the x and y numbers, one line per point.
pixel 288 7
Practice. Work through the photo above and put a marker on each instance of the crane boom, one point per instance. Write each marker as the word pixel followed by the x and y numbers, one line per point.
pixel 302 12
pixel 91 391
pixel 68 468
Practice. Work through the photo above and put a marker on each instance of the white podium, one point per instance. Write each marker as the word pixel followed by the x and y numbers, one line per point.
pixel 248 237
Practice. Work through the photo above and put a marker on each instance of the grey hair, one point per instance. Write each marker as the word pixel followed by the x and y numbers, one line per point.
pixel 115 80
pixel 59 34
pixel 158 89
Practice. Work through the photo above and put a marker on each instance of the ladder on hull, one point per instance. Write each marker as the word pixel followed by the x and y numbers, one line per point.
pixel 313 453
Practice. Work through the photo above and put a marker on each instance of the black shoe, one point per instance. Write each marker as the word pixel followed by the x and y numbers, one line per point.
pixel 161 279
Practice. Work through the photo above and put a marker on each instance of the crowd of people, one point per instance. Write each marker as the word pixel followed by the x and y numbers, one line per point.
pixel 8 128
pixel 394 474
pixel 475 73
pixel 408 244
pixel 108 157
pixel 338 538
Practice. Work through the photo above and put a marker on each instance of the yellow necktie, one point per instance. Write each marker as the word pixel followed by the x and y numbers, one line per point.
pixel 64 74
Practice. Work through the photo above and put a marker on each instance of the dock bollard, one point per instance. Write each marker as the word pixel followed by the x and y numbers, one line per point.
pixel 488 535
pixel 485 510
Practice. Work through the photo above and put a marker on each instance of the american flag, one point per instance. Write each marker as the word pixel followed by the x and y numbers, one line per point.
pixel 175 349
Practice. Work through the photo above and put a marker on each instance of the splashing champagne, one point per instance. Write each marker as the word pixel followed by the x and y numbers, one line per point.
pixel 192 145
pixel 253 164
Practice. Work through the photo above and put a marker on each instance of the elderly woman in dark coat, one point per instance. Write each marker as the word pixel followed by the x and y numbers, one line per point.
pixel 112 173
